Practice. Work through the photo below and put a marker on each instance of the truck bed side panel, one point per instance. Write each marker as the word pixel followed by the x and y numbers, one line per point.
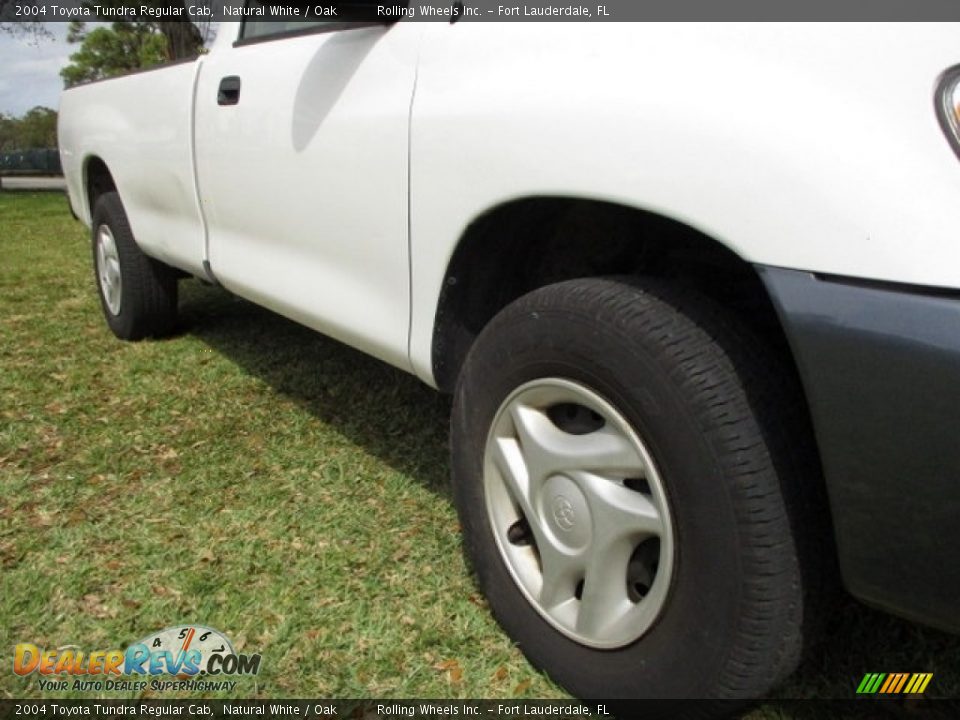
pixel 141 127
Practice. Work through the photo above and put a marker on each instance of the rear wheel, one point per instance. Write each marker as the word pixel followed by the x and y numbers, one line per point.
pixel 625 484
pixel 138 294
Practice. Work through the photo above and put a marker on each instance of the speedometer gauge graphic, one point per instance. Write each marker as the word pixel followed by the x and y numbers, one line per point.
pixel 187 647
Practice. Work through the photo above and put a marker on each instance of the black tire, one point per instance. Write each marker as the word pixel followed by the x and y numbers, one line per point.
pixel 146 290
pixel 707 401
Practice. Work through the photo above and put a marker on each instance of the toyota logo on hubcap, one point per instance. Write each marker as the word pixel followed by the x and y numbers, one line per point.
pixel 563 513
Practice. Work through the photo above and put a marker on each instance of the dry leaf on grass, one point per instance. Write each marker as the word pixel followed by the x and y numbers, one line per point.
pixel 452 668
pixel 521 687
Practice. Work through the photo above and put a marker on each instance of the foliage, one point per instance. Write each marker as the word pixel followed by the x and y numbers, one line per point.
pixel 34 30
pixel 131 45
pixel 108 51
pixel 35 129
pixel 126 45
pixel 183 39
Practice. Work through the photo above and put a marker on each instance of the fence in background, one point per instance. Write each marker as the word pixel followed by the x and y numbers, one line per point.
pixel 36 161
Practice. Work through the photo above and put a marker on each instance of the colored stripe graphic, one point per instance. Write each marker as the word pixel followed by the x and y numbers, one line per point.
pixel 900 683
pixel 870 683
pixel 894 683
pixel 891 681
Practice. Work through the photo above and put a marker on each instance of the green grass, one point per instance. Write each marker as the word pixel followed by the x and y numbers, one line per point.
pixel 256 477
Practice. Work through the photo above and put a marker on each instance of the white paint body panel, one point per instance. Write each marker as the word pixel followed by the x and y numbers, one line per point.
pixel 304 180
pixel 805 146
pixel 800 145
pixel 141 126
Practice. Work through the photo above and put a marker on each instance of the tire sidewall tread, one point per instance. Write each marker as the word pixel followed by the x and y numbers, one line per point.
pixel 731 627
pixel 148 305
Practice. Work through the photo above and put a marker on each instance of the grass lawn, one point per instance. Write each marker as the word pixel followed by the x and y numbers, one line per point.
pixel 253 476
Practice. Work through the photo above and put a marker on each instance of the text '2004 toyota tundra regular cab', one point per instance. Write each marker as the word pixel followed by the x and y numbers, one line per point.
pixel 695 290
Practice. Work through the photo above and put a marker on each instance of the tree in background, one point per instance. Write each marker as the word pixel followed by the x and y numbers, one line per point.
pixel 184 38
pixel 7 132
pixel 34 30
pixel 131 45
pixel 35 129
pixel 125 45
pixel 108 51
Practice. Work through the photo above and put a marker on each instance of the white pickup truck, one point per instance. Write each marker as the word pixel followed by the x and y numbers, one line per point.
pixel 695 289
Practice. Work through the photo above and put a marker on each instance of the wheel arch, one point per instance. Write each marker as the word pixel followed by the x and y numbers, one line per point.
pixel 523 244
pixel 97 180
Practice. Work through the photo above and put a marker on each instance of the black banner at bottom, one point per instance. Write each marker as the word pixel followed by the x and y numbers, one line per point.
pixel 498 709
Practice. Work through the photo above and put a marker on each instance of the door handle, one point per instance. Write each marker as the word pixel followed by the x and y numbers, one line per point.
pixel 229 92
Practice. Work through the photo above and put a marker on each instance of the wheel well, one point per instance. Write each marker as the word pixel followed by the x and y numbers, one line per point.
pixel 526 244
pixel 97 180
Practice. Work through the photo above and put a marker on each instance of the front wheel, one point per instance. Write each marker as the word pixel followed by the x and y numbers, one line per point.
pixel 619 471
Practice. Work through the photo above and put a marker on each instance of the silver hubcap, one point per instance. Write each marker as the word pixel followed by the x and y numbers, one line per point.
pixel 579 512
pixel 108 269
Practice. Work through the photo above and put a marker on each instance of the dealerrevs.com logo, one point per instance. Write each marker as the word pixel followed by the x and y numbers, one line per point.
pixel 172 659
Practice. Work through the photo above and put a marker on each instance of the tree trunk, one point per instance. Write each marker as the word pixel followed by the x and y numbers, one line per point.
pixel 183 38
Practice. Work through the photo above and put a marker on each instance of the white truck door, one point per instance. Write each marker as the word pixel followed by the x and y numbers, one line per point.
pixel 302 164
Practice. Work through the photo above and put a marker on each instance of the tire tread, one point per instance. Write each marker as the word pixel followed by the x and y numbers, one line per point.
pixel 750 412
pixel 149 293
